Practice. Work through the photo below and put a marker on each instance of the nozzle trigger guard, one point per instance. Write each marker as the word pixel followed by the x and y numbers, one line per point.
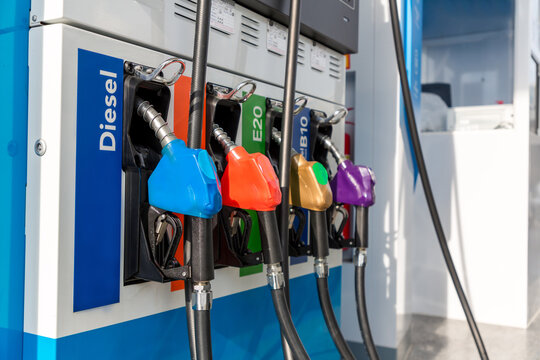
pixel 345 217
pixel 240 237
pixel 163 245
pixel 296 246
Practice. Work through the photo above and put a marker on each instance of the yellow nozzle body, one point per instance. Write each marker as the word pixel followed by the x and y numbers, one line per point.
pixel 308 186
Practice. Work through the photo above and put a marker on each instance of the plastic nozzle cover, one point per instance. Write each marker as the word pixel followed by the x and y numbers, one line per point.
pixel 185 182
pixel 308 185
pixel 249 181
pixel 353 185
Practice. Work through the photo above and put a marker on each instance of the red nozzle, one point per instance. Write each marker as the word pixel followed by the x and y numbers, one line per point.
pixel 249 182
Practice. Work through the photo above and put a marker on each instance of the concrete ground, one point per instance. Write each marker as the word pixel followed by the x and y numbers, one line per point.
pixel 436 338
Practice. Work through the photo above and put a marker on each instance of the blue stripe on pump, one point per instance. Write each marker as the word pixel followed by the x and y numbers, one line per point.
pixel 13 140
pixel 244 326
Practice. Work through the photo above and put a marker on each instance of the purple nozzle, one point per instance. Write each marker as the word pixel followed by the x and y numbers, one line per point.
pixel 353 185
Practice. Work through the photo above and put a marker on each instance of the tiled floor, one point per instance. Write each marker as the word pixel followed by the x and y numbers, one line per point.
pixel 441 339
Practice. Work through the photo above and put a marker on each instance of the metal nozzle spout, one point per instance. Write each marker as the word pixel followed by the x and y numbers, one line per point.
pixel 223 138
pixel 156 122
pixel 330 146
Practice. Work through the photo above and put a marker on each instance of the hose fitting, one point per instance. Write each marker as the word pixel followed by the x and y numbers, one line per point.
pixel 274 275
pixel 202 296
pixel 359 257
pixel 330 146
pixel 156 122
pixel 223 139
pixel 321 268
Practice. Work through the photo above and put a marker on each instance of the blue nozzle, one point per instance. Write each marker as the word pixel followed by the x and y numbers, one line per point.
pixel 185 182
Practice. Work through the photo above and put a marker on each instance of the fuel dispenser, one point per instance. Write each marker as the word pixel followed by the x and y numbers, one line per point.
pixel 79 308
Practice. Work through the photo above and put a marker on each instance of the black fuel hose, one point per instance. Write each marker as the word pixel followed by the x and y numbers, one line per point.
pixel 320 249
pixel 361 310
pixel 286 325
pixel 198 230
pixel 202 332
pixel 361 241
pixel 411 124
pixel 331 321
pixel 271 249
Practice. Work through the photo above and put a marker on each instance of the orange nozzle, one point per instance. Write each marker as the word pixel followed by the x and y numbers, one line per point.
pixel 249 182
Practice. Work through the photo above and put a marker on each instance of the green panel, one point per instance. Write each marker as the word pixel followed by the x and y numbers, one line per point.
pixel 253 125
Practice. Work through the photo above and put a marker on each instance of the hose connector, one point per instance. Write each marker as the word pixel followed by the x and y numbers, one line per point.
pixel 223 138
pixel 202 296
pixel 321 268
pixel 274 275
pixel 156 122
pixel 330 146
pixel 359 257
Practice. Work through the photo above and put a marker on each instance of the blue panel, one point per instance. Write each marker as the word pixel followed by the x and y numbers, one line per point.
pixel 98 181
pixel 301 143
pixel 411 27
pixel 244 326
pixel 39 347
pixel 13 140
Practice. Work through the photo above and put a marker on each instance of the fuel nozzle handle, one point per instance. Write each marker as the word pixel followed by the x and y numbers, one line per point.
pixel 185 180
pixel 353 185
pixel 308 183
pixel 249 182
pixel 309 189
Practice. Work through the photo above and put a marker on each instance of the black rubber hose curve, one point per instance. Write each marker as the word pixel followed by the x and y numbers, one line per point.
pixel 204 341
pixel 286 324
pixel 361 311
pixel 418 154
pixel 331 321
